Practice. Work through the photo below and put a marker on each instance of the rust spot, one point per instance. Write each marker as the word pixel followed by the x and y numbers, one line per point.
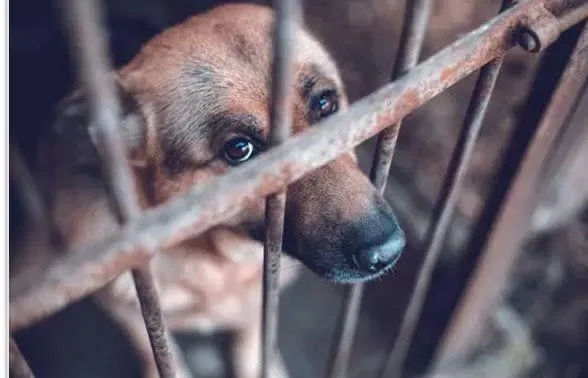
pixel 448 73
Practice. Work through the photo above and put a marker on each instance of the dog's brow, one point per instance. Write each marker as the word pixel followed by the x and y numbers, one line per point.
pixel 243 122
pixel 310 76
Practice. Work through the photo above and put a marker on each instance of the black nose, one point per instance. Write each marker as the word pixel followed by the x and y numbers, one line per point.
pixel 379 257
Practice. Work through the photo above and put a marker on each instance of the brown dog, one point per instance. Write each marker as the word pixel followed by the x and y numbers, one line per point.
pixel 195 103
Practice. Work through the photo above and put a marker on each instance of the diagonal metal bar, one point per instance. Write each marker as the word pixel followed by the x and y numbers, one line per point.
pixel 90 47
pixel 498 234
pixel 444 210
pixel 78 273
pixel 416 19
pixel 288 13
pixel 17 365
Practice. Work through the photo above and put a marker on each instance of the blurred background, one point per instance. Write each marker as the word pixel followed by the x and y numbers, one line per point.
pixel 547 295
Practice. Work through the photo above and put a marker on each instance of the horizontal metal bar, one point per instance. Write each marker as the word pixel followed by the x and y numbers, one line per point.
pixel 17 365
pixel 92 54
pixel 500 236
pixel 416 19
pixel 83 271
pixel 289 14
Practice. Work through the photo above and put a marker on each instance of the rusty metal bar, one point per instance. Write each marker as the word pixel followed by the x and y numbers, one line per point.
pixel 85 270
pixel 444 210
pixel 416 19
pixel 288 13
pixel 91 51
pixel 33 202
pixel 573 17
pixel 502 224
pixel 17 365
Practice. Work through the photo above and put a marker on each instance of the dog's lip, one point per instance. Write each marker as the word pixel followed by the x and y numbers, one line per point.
pixel 356 279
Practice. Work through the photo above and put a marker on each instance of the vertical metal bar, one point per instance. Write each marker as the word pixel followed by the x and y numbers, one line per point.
pixel 32 200
pixel 91 51
pixel 288 14
pixel 501 228
pixel 443 212
pixel 444 209
pixel 416 18
pixel 17 365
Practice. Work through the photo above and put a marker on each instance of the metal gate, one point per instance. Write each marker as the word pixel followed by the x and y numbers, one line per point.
pixel 497 236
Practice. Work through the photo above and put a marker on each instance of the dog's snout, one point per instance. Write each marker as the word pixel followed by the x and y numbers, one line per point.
pixel 379 257
pixel 340 227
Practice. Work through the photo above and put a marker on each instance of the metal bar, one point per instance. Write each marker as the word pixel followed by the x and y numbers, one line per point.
pixel 338 363
pixel 500 230
pixel 92 55
pixel 442 214
pixel 32 200
pixel 17 365
pixel 85 270
pixel 444 210
pixel 288 14
pixel 412 37
pixel 574 16
pixel 411 43
pixel 570 141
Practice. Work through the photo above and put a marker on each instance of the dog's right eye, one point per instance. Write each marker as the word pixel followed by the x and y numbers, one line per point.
pixel 238 150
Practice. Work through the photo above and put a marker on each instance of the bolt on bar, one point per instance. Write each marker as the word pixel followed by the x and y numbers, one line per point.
pixel 89 44
pixel 416 19
pixel 17 365
pixel 501 235
pixel 288 14
pixel 78 273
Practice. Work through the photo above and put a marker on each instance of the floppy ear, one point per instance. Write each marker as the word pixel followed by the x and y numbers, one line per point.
pixel 74 132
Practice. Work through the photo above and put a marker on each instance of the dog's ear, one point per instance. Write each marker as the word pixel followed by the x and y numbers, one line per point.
pixel 76 131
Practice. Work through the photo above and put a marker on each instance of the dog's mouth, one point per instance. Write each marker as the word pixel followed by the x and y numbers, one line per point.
pixel 339 264
pixel 347 259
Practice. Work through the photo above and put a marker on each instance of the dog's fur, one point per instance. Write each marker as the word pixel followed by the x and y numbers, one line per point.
pixel 184 95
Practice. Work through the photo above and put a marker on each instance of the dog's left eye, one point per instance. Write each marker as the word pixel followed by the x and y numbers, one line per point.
pixel 325 104
pixel 238 150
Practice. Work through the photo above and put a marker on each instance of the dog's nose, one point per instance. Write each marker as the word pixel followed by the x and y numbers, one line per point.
pixel 379 257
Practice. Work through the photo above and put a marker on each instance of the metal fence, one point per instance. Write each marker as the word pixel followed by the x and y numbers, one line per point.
pixel 497 237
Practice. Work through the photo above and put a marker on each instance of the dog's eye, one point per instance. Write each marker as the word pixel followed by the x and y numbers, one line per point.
pixel 325 104
pixel 238 150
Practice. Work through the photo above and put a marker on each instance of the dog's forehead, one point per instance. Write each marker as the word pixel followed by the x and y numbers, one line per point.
pixel 215 63
pixel 230 45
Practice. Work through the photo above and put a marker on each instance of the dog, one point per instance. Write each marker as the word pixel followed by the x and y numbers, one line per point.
pixel 195 103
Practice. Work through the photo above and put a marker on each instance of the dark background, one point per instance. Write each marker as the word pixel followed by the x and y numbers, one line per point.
pixel 362 36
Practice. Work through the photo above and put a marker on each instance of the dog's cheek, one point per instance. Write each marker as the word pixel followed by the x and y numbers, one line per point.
pixel 251 218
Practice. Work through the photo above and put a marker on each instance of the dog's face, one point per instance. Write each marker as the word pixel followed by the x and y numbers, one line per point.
pixel 203 89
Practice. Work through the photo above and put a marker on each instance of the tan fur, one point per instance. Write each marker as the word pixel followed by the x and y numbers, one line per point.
pixel 177 94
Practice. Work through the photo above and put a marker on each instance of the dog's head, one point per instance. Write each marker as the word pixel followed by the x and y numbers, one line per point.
pixel 203 90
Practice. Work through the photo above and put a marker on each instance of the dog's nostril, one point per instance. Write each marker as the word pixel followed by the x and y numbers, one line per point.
pixel 380 257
